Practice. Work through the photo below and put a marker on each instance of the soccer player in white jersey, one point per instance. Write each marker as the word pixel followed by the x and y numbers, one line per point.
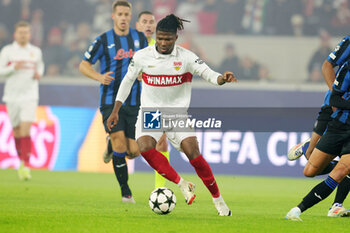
pixel 165 86
pixel 22 64
pixel 146 23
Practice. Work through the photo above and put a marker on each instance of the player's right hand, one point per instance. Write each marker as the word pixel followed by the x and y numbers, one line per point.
pixel 112 120
pixel 105 78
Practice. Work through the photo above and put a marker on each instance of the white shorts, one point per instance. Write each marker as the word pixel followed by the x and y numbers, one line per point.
pixel 21 112
pixel 175 138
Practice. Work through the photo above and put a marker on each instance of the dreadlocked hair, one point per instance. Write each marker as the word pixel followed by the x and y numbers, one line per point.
pixel 171 23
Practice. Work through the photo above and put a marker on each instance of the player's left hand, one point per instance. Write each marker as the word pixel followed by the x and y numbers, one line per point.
pixel 37 76
pixel 229 77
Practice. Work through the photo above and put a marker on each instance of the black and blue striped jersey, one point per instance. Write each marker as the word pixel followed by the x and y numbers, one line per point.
pixel 342 86
pixel 337 58
pixel 114 53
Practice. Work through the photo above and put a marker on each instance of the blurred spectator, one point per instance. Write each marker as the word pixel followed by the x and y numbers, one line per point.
pixel 10 12
pixel 139 6
pixel 315 75
pixel 80 43
pixel 264 74
pixel 4 36
pixel 252 21
pixel 278 16
pixel 189 43
pixel 230 61
pixel 37 27
pixel 341 21
pixel 102 17
pixel 319 14
pixel 248 69
pixel 315 64
pixel 297 22
pixel 55 55
pixel 230 14
pixel 189 10
pixel 208 17
pixel 162 8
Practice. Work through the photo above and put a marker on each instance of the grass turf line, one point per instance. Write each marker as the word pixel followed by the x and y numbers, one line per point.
pixel 90 202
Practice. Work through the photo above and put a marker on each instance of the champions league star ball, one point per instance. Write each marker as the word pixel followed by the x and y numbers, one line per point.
pixel 162 200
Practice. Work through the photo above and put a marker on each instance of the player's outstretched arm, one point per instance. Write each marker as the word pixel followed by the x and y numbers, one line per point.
pixel 114 117
pixel 328 73
pixel 227 77
pixel 86 69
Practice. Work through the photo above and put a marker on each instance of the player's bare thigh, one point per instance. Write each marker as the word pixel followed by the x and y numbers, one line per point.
pixel 190 147
pixel 315 137
pixel 342 168
pixel 317 162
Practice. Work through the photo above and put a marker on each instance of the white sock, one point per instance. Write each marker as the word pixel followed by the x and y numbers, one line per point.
pixel 180 182
pixel 218 198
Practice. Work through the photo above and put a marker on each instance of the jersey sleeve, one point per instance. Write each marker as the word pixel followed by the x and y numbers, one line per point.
pixel 94 52
pixel 197 66
pixel 5 67
pixel 342 82
pixel 135 67
pixel 40 64
pixel 341 53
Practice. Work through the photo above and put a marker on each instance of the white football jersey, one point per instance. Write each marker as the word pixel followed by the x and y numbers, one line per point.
pixel 20 84
pixel 166 78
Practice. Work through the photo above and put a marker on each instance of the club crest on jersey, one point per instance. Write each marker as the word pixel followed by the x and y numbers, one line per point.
pixel 137 44
pixel 177 65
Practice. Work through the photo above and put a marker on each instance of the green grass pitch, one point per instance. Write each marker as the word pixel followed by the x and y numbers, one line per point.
pixel 90 202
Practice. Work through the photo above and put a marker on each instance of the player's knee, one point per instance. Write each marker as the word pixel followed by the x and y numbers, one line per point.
pixel 133 153
pixel 132 156
pixel 146 143
pixel 309 172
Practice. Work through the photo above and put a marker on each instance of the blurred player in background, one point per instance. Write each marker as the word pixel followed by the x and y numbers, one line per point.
pixel 336 58
pixel 114 49
pixel 167 86
pixel 146 23
pixel 22 64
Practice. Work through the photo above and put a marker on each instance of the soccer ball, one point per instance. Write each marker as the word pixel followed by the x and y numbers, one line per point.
pixel 162 200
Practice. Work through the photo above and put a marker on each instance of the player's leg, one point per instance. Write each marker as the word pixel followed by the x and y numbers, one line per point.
pixel 329 146
pixel 119 147
pixel 337 209
pixel 315 137
pixel 108 153
pixel 155 159
pixel 162 147
pixel 21 116
pixel 317 162
pixel 120 167
pixel 332 142
pixel 343 167
pixel 326 187
pixel 190 147
pixel 320 126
